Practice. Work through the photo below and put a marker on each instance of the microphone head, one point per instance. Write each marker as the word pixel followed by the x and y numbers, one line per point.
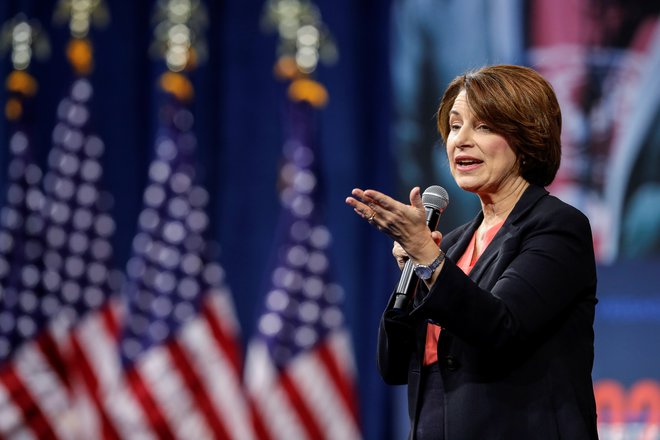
pixel 435 197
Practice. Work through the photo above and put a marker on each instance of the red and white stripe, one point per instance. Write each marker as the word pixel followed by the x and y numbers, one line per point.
pixel 34 402
pixel 312 398
pixel 109 408
pixel 187 388
pixel 211 347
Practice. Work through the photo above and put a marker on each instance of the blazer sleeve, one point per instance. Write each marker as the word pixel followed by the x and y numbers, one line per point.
pixel 544 269
pixel 396 342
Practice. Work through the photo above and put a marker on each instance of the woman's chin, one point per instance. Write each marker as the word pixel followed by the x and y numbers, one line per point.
pixel 468 185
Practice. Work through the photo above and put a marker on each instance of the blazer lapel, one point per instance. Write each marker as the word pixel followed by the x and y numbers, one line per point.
pixel 508 231
pixel 487 258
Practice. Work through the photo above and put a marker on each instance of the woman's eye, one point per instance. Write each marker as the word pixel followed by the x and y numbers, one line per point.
pixel 454 127
pixel 483 127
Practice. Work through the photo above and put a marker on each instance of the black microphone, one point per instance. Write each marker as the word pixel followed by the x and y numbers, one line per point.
pixel 435 200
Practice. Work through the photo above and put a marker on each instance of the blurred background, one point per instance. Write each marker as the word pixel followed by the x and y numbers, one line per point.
pixel 177 257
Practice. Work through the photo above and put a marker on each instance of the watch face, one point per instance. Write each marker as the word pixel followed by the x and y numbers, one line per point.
pixel 423 272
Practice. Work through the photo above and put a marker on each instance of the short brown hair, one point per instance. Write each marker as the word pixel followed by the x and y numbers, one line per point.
pixel 520 105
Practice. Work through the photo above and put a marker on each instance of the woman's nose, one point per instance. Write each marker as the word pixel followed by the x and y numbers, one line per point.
pixel 463 138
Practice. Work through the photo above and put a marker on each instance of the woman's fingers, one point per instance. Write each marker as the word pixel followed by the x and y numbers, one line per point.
pixel 437 237
pixel 398 251
pixel 399 254
pixel 363 204
pixel 374 199
pixel 380 199
pixel 416 198
pixel 397 220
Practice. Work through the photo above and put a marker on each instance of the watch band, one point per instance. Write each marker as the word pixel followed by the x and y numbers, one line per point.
pixel 424 271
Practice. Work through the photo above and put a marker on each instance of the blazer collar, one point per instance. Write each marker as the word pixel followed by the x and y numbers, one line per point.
pixel 527 201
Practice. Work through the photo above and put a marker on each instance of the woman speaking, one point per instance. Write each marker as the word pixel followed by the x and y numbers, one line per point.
pixel 498 340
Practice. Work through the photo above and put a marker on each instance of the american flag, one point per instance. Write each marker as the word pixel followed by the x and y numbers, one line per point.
pixel 59 278
pixel 179 346
pixel 179 367
pixel 23 355
pixel 299 368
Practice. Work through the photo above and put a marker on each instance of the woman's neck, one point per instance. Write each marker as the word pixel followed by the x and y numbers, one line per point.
pixel 496 207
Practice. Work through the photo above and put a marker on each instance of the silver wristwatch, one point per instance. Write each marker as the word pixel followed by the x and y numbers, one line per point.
pixel 425 272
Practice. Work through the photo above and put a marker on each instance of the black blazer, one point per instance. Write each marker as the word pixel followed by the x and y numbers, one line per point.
pixel 516 349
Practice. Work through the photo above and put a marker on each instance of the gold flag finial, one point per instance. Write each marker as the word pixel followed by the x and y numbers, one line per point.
pixel 178 34
pixel 303 37
pixel 81 14
pixel 304 42
pixel 24 40
pixel 179 41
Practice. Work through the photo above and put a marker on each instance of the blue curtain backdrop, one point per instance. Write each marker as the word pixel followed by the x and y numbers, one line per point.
pixel 238 108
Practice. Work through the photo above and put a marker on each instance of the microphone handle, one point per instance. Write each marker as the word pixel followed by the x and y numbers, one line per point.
pixel 408 282
pixel 406 287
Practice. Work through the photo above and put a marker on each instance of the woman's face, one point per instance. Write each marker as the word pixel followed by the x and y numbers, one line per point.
pixel 481 161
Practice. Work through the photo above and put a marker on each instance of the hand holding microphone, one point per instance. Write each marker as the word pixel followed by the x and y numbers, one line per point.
pixel 435 200
pixel 402 223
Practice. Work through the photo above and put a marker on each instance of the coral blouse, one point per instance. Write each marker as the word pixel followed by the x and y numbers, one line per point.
pixel 466 263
